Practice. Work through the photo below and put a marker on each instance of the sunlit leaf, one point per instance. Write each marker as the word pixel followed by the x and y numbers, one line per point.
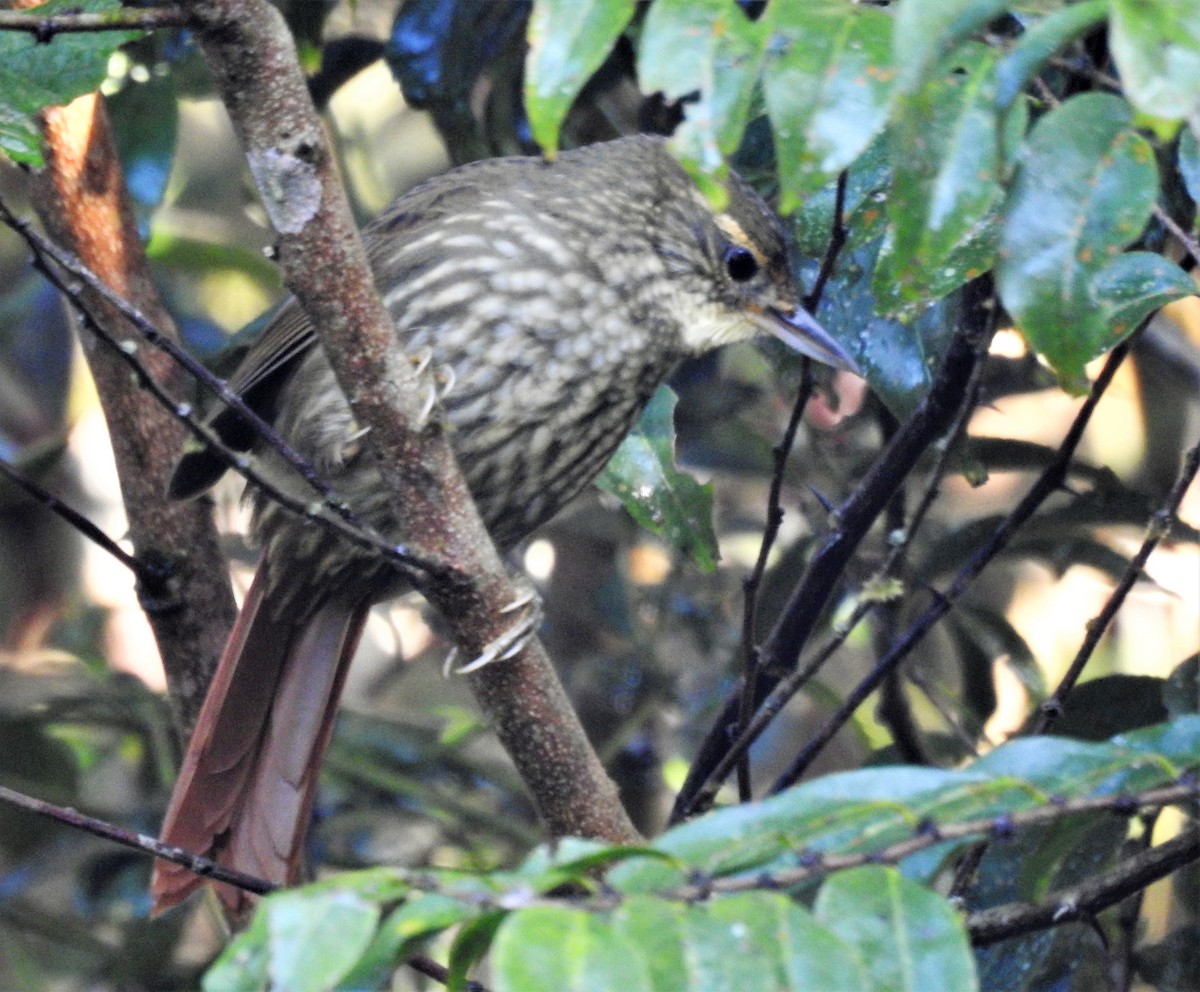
pixel 568 41
pixel 1083 192
pixel 827 80
pixel 946 185
pixel 1156 45
pixel 910 939
pixel 34 75
pixel 708 51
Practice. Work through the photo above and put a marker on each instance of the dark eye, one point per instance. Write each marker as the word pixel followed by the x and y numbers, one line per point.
pixel 740 263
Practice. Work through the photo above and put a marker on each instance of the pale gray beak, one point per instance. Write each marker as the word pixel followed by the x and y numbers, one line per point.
pixel 800 331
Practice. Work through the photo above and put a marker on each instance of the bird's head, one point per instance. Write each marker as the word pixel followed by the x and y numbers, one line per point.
pixel 732 271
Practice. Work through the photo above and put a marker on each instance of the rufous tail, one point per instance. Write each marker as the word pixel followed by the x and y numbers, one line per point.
pixel 246 787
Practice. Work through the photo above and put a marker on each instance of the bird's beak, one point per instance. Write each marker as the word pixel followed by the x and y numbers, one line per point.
pixel 800 331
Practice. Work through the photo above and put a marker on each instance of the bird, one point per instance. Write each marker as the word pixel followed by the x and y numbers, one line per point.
pixel 558 294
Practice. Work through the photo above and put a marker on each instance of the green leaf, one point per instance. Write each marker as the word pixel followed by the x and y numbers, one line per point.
pixel 866 809
pixel 748 942
pixel 426 914
pixel 568 41
pixel 928 30
pixel 35 75
pixel 896 357
pixel 709 50
pixel 565 950
pixel 1040 42
pixel 910 938
pixel 242 966
pixel 867 183
pixel 314 941
pixel 827 82
pixel 946 166
pixel 1084 190
pixel 1189 162
pixel 664 500
pixel 1156 45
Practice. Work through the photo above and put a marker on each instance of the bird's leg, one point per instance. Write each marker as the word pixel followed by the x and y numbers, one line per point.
pixel 510 643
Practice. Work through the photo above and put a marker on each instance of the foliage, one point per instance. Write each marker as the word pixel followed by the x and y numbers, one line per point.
pixel 1047 151
pixel 870 927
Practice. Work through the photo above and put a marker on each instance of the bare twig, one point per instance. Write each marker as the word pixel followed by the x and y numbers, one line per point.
pixel 1046 484
pixel 1158 528
pixel 781 651
pixel 77 520
pixel 753 581
pixel 45 26
pixel 346 522
pixel 780 455
pixel 1088 898
pixel 138 842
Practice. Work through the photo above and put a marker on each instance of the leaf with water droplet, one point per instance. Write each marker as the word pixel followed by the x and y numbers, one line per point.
pixel 670 503
pixel 568 41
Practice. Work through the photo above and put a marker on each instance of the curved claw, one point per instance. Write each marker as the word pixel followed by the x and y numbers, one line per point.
pixel 509 644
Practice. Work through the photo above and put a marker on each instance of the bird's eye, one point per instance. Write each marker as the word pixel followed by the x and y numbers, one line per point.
pixel 740 263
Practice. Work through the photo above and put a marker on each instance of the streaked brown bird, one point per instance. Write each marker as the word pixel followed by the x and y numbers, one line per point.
pixel 559 294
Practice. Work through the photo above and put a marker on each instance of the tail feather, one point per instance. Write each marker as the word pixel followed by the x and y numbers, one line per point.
pixel 245 791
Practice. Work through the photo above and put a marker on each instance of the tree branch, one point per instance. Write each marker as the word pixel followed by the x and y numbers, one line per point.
pixel 1088 898
pixel 254 66
pixel 82 200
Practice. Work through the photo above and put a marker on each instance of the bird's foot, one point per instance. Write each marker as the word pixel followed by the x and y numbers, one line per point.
pixel 437 382
pixel 509 644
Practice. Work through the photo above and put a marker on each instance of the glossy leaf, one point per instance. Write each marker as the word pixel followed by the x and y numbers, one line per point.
pixel 708 51
pixel 315 941
pixel 1044 37
pixel 861 810
pixel 946 166
pixel 426 914
pixel 568 41
pixel 565 950
pixel 1156 45
pixel 35 75
pixel 664 500
pixel 897 358
pixel 867 183
pixel 1084 191
pixel 827 81
pixel 753 941
pixel 1189 162
pixel 929 30
pixel 910 939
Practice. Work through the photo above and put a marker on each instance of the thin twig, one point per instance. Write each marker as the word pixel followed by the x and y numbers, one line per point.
pixel 780 454
pixel 344 521
pixel 753 581
pixel 438 972
pixel 1157 529
pixel 138 842
pixel 45 26
pixel 1185 239
pixel 1088 898
pixel 1046 484
pixel 76 519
